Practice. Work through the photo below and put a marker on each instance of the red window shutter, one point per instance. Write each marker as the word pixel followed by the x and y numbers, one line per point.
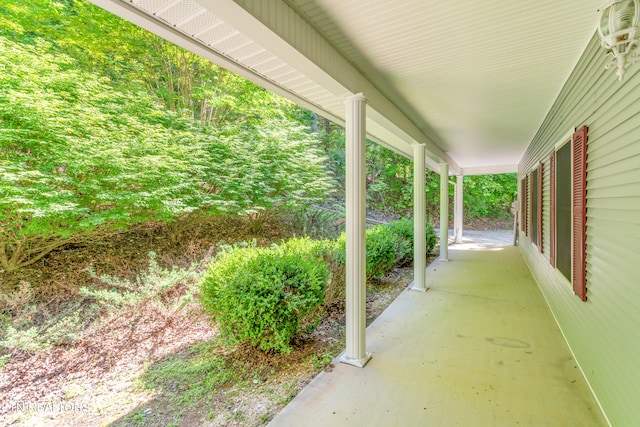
pixel 539 196
pixel 523 204
pixel 579 208
pixel 552 208
pixel 525 207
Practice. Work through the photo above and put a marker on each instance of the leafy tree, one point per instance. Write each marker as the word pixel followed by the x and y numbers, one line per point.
pixel 182 81
pixel 489 195
pixel 281 162
pixel 75 155
pixel 78 154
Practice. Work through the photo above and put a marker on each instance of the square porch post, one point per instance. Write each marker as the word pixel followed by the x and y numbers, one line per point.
pixel 458 209
pixel 355 130
pixel 419 220
pixel 444 211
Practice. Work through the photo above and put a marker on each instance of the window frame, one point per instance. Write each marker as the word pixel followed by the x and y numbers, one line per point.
pixel 534 194
pixel 578 219
pixel 534 205
pixel 524 211
pixel 540 206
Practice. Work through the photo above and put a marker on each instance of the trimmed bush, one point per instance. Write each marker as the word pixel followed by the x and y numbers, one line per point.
pixel 388 245
pixel 381 250
pixel 432 239
pixel 264 296
pixel 403 229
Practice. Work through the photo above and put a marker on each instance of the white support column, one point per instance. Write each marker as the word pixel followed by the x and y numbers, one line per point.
pixel 419 220
pixel 444 211
pixel 458 212
pixel 355 229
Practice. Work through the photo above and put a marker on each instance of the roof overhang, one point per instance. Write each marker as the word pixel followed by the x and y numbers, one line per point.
pixel 473 93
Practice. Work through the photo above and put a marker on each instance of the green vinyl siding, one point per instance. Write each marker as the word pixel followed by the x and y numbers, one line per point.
pixel 603 332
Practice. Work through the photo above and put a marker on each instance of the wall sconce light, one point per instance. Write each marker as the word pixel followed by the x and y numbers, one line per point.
pixel 619 32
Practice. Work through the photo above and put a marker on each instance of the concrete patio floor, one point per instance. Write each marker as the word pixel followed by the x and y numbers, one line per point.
pixel 479 348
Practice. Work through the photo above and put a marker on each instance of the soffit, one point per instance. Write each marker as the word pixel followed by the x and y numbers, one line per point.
pixel 471 80
pixel 483 74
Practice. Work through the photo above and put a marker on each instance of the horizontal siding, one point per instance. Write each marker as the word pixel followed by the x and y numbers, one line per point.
pixel 603 332
pixel 627 234
pixel 614 178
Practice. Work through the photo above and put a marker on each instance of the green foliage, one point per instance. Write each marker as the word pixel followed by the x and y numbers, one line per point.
pixel 403 236
pixel 27 325
pixel 20 329
pixel 381 251
pixel 387 245
pixel 388 180
pixel 263 296
pixel 317 222
pixel 280 167
pixel 75 155
pixel 79 154
pixel 319 362
pixel 115 295
pixel 26 340
pixel 489 195
pixel 193 374
pixel 431 238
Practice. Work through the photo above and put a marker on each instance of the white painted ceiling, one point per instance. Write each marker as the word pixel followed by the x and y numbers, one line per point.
pixel 482 73
pixel 470 79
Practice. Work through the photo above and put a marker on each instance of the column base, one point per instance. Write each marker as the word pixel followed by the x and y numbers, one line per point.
pixel 356 362
pixel 417 289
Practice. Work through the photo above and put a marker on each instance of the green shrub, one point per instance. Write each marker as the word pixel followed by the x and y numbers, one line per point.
pixel 388 245
pixel 316 221
pixel 381 250
pixel 432 239
pixel 264 296
pixel 403 229
pixel 149 284
pixel 403 236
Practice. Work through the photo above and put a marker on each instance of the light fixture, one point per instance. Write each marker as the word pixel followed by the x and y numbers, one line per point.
pixel 619 32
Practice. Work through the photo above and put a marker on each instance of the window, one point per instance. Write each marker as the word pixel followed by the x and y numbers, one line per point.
pixel 563 211
pixel 568 195
pixel 536 206
pixel 524 209
pixel 535 231
pixel 534 184
pixel 552 208
pixel 539 205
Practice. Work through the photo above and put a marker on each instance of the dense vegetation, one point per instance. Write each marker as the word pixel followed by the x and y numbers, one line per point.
pixel 268 296
pixel 84 154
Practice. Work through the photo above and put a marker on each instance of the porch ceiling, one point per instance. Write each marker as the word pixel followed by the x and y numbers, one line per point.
pixel 471 80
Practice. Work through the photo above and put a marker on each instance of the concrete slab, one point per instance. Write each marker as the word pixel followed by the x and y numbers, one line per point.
pixel 479 348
